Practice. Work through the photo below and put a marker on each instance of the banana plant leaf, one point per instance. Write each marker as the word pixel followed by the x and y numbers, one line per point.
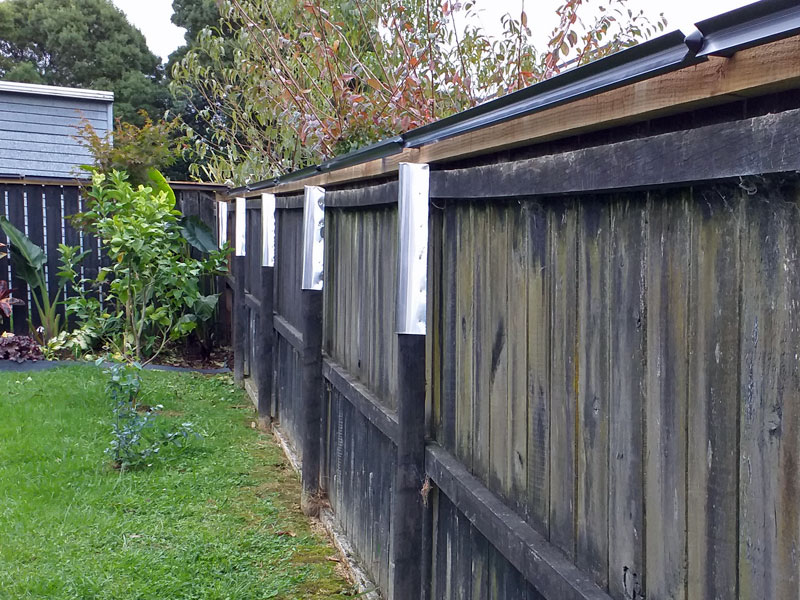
pixel 198 234
pixel 27 259
pixel 160 184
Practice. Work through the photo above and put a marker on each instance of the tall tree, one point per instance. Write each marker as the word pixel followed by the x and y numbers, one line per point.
pixel 81 43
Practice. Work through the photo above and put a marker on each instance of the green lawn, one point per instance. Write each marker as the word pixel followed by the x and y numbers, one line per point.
pixel 218 520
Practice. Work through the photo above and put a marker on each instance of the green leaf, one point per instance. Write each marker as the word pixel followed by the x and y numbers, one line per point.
pixel 161 184
pixel 27 259
pixel 198 234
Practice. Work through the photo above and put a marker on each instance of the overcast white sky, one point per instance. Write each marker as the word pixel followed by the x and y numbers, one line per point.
pixel 152 16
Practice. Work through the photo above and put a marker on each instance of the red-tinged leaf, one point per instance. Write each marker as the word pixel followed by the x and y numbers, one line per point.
pixel 573 38
pixel 523 19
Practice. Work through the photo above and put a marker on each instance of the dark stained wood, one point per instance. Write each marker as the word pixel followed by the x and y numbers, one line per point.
pixel 714 407
pixel 518 402
pixel 455 430
pixel 54 222
pixel 288 332
pixel 289 202
pixel 627 352
pixel 562 222
pixel 668 282
pixel 35 231
pixel 265 344
pixel 539 282
pixel 769 513
pixel 754 146
pixel 593 389
pixel 495 352
pixel 481 411
pixel 310 399
pixel 240 317
pixel 526 550
pixel 361 398
pixel 16 215
pixel 407 500
pixel 384 193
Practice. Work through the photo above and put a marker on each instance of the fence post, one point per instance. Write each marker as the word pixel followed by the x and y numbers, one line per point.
pixel 311 398
pixel 408 513
pixel 239 321
pixel 407 508
pixel 311 386
pixel 266 340
pixel 267 335
pixel 240 308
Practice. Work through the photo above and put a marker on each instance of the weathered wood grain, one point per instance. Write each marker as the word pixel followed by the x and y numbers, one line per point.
pixel 627 359
pixel 769 513
pixel 668 280
pixel 456 411
pixel 564 369
pixel 714 406
pixel 495 347
pixel 754 146
pixel 516 314
pixel 481 412
pixel 593 389
pixel 539 281
pixel 539 561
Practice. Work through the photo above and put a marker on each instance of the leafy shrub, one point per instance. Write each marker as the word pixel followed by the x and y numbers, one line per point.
pixel 19 348
pixel 152 288
pixel 136 437
pixel 28 261
pixel 135 150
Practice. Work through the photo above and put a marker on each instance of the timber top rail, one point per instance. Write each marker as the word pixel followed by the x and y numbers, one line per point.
pixel 662 77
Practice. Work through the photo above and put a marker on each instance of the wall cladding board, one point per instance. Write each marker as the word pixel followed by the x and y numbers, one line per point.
pixel 38 133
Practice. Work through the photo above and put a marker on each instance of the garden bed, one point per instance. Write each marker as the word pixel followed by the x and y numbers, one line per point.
pixel 216 519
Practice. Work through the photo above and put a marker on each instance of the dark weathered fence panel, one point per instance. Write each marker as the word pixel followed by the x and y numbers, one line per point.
pixel 288 321
pixel 612 373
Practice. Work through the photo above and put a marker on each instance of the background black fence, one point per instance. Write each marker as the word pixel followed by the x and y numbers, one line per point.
pixel 43 211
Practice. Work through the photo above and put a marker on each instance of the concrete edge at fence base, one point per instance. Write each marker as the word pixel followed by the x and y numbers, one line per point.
pixel 364 584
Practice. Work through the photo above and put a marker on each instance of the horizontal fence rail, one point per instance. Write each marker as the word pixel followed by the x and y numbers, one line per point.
pixel 610 404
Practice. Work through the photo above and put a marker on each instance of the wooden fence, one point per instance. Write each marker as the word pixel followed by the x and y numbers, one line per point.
pixel 42 209
pixel 612 382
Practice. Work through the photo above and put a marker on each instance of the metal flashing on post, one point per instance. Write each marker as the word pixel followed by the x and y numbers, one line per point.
pixel 222 223
pixel 241 225
pixel 412 263
pixel 313 237
pixel 267 230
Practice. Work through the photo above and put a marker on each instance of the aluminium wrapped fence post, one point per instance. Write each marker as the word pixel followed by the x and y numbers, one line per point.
pixel 407 557
pixel 267 335
pixel 311 383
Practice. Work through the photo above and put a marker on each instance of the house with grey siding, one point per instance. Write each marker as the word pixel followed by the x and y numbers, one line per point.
pixel 37 125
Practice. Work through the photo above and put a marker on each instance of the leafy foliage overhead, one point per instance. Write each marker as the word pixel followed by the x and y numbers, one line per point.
pixel 86 43
pixel 283 84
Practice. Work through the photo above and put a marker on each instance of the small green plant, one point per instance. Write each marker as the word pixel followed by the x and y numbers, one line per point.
pixel 131 445
pixel 28 261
